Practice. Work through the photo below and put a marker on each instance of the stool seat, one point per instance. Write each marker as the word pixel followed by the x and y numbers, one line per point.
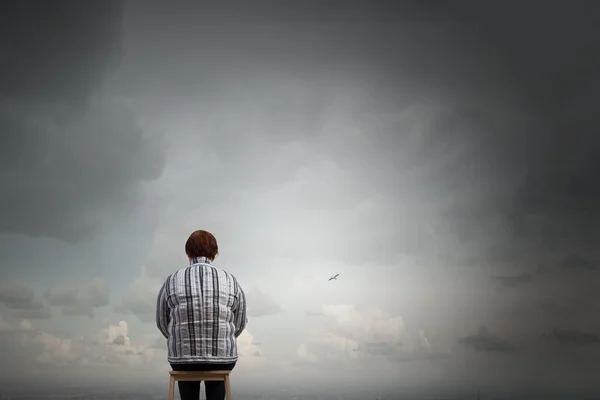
pixel 198 376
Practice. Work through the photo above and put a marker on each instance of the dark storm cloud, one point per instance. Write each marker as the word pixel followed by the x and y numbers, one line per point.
pixel 71 158
pixel 57 51
pixel 583 305
pixel 552 163
pixel 531 138
pixel 573 261
pixel 543 269
pixel 485 142
pixel 486 341
pixel 513 281
pixel 572 336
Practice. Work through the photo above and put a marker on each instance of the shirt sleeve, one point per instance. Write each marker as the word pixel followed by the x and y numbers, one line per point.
pixel 239 312
pixel 162 311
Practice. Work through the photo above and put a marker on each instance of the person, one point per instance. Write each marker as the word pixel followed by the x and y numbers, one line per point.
pixel 201 310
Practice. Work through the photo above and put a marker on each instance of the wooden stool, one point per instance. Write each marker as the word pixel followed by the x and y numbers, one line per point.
pixel 199 376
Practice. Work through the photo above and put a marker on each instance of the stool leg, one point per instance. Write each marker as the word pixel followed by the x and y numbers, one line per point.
pixel 227 388
pixel 172 388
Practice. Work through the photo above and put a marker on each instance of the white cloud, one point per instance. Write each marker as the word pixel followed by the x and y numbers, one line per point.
pixel 25 325
pixel 56 350
pixel 254 363
pixel 116 337
pixel 115 334
pixel 304 354
pixel 349 332
pixel 247 347
pixel 111 347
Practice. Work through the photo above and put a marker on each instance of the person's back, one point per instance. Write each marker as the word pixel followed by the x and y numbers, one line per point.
pixel 201 310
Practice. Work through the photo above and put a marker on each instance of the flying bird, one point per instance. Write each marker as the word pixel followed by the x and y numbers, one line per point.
pixel 334 277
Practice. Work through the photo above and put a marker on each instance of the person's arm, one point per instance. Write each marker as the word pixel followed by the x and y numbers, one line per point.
pixel 239 311
pixel 162 311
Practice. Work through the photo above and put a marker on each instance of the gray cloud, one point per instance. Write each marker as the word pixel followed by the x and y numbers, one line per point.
pixel 145 311
pixel 140 299
pixel 98 293
pixel 572 336
pixel 40 311
pixel 485 341
pixel 72 158
pixel 556 198
pixel 314 313
pixel 74 303
pixel 119 340
pixel 17 296
pixel 56 296
pixel 379 348
pixel 261 304
pixel 21 301
pixel 37 311
pixel 160 343
pixel 514 281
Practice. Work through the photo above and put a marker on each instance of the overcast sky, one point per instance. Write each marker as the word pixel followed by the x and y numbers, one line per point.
pixel 440 158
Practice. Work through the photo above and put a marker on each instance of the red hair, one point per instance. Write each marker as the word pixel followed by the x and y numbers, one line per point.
pixel 201 244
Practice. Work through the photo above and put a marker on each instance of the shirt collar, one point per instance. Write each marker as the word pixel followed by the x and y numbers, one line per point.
pixel 199 260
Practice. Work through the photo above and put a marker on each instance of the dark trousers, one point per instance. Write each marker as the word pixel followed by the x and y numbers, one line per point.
pixel 215 390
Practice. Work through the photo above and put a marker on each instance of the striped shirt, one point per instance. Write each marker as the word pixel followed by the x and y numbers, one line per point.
pixel 201 310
